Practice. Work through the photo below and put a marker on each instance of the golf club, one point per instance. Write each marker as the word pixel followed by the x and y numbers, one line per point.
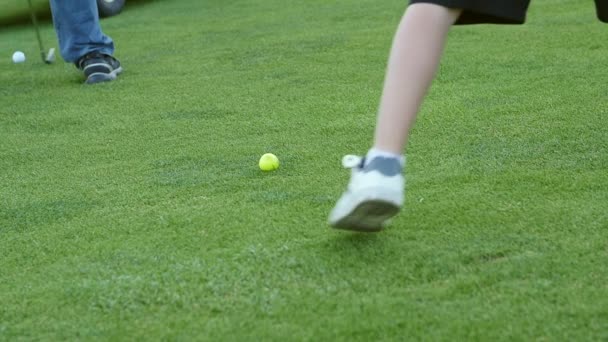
pixel 49 57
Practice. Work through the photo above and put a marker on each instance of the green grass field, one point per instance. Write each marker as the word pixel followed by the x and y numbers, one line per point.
pixel 135 210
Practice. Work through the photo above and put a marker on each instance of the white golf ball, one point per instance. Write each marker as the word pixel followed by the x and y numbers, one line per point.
pixel 18 57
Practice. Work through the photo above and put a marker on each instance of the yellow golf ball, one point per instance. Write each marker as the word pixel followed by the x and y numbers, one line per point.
pixel 269 162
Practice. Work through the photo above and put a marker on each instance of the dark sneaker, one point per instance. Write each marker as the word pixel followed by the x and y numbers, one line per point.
pixel 99 67
pixel 374 195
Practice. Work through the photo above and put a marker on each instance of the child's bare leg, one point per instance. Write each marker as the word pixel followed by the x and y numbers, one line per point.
pixel 375 192
pixel 413 61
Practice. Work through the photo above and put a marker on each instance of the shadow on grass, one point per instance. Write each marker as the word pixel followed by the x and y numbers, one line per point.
pixel 368 247
pixel 358 240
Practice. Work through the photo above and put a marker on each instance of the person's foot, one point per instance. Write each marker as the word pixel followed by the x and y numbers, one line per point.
pixel 99 67
pixel 374 195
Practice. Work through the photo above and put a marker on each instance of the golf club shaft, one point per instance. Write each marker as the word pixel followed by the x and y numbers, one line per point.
pixel 35 22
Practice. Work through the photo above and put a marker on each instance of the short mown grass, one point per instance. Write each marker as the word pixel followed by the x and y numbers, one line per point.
pixel 135 210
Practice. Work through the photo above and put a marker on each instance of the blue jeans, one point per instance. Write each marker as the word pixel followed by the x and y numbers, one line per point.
pixel 78 31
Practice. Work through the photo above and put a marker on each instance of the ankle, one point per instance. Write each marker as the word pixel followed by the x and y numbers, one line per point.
pixel 375 152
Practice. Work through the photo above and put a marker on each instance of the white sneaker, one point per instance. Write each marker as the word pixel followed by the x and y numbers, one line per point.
pixel 375 194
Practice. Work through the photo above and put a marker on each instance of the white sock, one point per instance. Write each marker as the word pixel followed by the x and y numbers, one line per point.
pixel 374 152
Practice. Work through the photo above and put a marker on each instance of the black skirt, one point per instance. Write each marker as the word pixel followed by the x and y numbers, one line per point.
pixel 499 11
pixel 602 10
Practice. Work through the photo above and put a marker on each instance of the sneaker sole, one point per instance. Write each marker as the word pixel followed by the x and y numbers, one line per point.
pixel 369 216
pixel 100 77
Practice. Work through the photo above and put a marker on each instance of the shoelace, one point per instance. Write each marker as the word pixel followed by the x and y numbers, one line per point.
pixel 350 161
pixel 94 55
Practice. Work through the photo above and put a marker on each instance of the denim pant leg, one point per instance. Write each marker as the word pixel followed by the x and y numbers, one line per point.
pixel 78 30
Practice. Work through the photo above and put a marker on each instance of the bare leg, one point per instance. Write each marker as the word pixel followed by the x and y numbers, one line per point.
pixel 375 192
pixel 413 61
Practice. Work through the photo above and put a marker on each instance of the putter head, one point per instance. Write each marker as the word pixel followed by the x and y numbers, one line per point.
pixel 50 56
